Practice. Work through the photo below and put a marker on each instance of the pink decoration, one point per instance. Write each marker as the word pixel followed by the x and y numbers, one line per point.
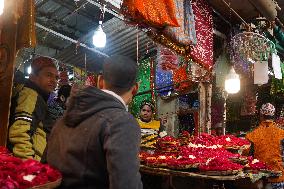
pixel 202 52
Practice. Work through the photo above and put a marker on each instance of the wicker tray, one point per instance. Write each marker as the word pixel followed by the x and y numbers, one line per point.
pixel 180 173
pixel 49 185
pixel 189 166
pixel 242 161
pixel 220 173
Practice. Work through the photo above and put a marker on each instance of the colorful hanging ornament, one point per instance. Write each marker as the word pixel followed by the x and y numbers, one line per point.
pixel 252 47
pixel 162 39
pixel 155 13
pixel 197 73
pixel 144 79
pixel 185 34
pixel 180 79
pixel 164 82
pixel 166 59
pixel 202 52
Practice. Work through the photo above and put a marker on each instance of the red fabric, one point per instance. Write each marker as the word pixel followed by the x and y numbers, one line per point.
pixel 202 52
pixel 180 78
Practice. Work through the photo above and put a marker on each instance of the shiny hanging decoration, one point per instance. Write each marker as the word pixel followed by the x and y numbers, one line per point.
pixel 164 80
pixel 181 80
pixel 197 73
pixel 144 77
pixel 154 13
pixel 202 52
pixel 251 47
pixel 162 39
pixel 185 34
pixel 167 60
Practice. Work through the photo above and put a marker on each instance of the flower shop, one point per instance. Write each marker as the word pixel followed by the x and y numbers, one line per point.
pixel 206 65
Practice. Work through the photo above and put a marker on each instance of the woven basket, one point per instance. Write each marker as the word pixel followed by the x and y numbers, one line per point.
pixel 49 185
pixel 189 166
pixel 242 161
pixel 220 173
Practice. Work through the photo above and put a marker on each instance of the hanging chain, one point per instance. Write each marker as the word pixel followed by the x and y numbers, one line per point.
pixel 103 10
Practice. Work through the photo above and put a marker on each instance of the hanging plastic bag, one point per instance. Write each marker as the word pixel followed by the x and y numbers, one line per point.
pixel 155 13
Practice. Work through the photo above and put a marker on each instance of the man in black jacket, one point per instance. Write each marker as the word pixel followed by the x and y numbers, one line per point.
pixel 96 143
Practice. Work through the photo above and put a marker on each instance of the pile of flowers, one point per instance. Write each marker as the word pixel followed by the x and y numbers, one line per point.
pixel 226 141
pixel 220 164
pixel 168 144
pixel 16 173
pixel 204 153
pixel 255 165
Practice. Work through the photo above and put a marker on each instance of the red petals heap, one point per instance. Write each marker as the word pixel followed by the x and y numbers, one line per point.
pixel 220 164
pixel 16 173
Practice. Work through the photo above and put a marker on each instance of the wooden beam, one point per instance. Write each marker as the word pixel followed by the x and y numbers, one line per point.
pixel 7 64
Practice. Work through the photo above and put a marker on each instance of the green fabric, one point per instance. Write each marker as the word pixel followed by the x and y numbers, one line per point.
pixel 144 79
pixel 279 34
pixel 277 85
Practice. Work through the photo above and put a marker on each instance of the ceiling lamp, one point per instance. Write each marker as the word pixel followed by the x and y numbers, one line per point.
pixel 99 37
pixel 29 70
pixel 1 7
pixel 232 82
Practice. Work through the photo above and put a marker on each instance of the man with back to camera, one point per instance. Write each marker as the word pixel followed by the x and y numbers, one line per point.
pixel 96 143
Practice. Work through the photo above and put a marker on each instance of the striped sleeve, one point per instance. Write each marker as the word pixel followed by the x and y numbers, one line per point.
pixel 21 129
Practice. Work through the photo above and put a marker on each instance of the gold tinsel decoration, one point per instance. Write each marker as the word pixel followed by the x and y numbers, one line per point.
pixel 183 50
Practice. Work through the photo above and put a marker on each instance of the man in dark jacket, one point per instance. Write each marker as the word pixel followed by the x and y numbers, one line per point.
pixel 96 143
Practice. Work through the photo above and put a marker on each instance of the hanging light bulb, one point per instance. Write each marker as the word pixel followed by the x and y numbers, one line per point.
pixel 99 37
pixel 29 70
pixel 232 82
pixel 1 7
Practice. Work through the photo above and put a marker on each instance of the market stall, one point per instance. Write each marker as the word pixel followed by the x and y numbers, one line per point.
pixel 204 157
pixel 198 67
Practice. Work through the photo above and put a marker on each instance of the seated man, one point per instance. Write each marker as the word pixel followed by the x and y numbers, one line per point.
pixel 150 128
pixel 267 144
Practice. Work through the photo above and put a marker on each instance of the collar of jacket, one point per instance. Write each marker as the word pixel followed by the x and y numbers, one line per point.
pixel 33 86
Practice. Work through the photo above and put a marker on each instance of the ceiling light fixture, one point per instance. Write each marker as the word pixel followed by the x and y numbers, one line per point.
pixel 1 7
pixel 232 82
pixel 99 37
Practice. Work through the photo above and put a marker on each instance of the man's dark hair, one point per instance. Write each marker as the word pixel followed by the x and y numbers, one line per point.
pixel 64 90
pixel 266 117
pixel 119 73
pixel 41 62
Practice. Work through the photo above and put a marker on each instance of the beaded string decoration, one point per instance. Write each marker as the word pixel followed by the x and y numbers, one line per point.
pixel 251 47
